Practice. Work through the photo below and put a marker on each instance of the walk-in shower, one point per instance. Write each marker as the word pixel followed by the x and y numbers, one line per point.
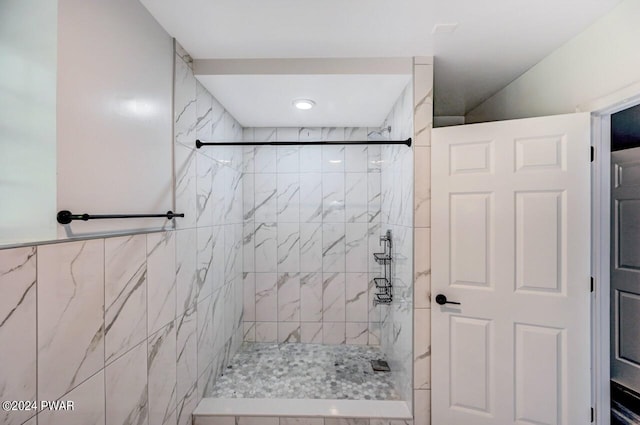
pixel 316 311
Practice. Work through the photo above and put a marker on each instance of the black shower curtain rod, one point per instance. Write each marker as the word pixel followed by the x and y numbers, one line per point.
pixel 65 217
pixel 407 142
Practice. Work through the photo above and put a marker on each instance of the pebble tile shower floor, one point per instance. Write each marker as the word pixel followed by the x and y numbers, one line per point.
pixel 262 370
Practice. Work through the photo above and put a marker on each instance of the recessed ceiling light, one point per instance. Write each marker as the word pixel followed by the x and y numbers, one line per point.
pixel 304 104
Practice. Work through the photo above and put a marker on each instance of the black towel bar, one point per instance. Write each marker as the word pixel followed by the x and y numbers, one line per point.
pixel 66 217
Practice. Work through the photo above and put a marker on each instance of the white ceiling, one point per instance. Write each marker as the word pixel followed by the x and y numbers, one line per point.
pixel 266 100
pixel 495 42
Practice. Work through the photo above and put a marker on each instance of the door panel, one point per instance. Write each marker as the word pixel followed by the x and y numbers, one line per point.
pixel 539 254
pixel 471 158
pixel 539 362
pixel 511 243
pixel 628 234
pixel 540 153
pixel 470 364
pixel 629 311
pixel 625 268
pixel 470 235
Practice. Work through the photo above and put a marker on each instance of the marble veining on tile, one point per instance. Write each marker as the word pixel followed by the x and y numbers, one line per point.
pixel 356 244
pixel 217 120
pixel 161 362
pixel 17 329
pixel 185 185
pixel 311 333
pixel 216 273
pixel 357 300
pixel 186 270
pixel 311 297
pixel 204 109
pixel 186 405
pixel 266 258
pixel 305 371
pixel 288 247
pixel 205 170
pixel 184 103
pixel 311 197
pixel 333 191
pixel 288 197
pixel 333 297
pixel 89 405
pixel 161 280
pixel 126 388
pixel 266 297
pixel 205 341
pixel 187 354
pixel 71 277
pixel 288 332
pixel 204 259
pixel 232 194
pixel 310 247
pixel 288 297
pixel 229 315
pixel 266 190
pixel 356 201
pixel 125 294
pixel 333 250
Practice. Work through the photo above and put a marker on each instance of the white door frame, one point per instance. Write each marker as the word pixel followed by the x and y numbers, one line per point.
pixel 601 111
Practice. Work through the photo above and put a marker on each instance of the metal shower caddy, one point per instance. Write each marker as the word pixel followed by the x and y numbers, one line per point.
pixel 384 294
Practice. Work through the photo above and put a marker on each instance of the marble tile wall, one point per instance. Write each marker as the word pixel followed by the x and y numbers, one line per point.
pixel 397 216
pixel 209 188
pixel 100 334
pixel 423 122
pixel 311 222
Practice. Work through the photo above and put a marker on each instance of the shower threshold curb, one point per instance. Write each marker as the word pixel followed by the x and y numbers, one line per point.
pixel 321 408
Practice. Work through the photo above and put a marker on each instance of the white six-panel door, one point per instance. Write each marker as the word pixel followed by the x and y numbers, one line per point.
pixel 511 244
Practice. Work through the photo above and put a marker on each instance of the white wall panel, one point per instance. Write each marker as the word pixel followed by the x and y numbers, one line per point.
pixel 114 114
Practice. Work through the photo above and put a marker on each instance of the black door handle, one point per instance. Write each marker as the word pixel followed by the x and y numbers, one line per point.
pixel 442 300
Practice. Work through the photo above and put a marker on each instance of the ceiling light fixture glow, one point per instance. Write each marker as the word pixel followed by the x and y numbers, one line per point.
pixel 304 104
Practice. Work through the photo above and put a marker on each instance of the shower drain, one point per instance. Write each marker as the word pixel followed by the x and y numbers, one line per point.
pixel 380 366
